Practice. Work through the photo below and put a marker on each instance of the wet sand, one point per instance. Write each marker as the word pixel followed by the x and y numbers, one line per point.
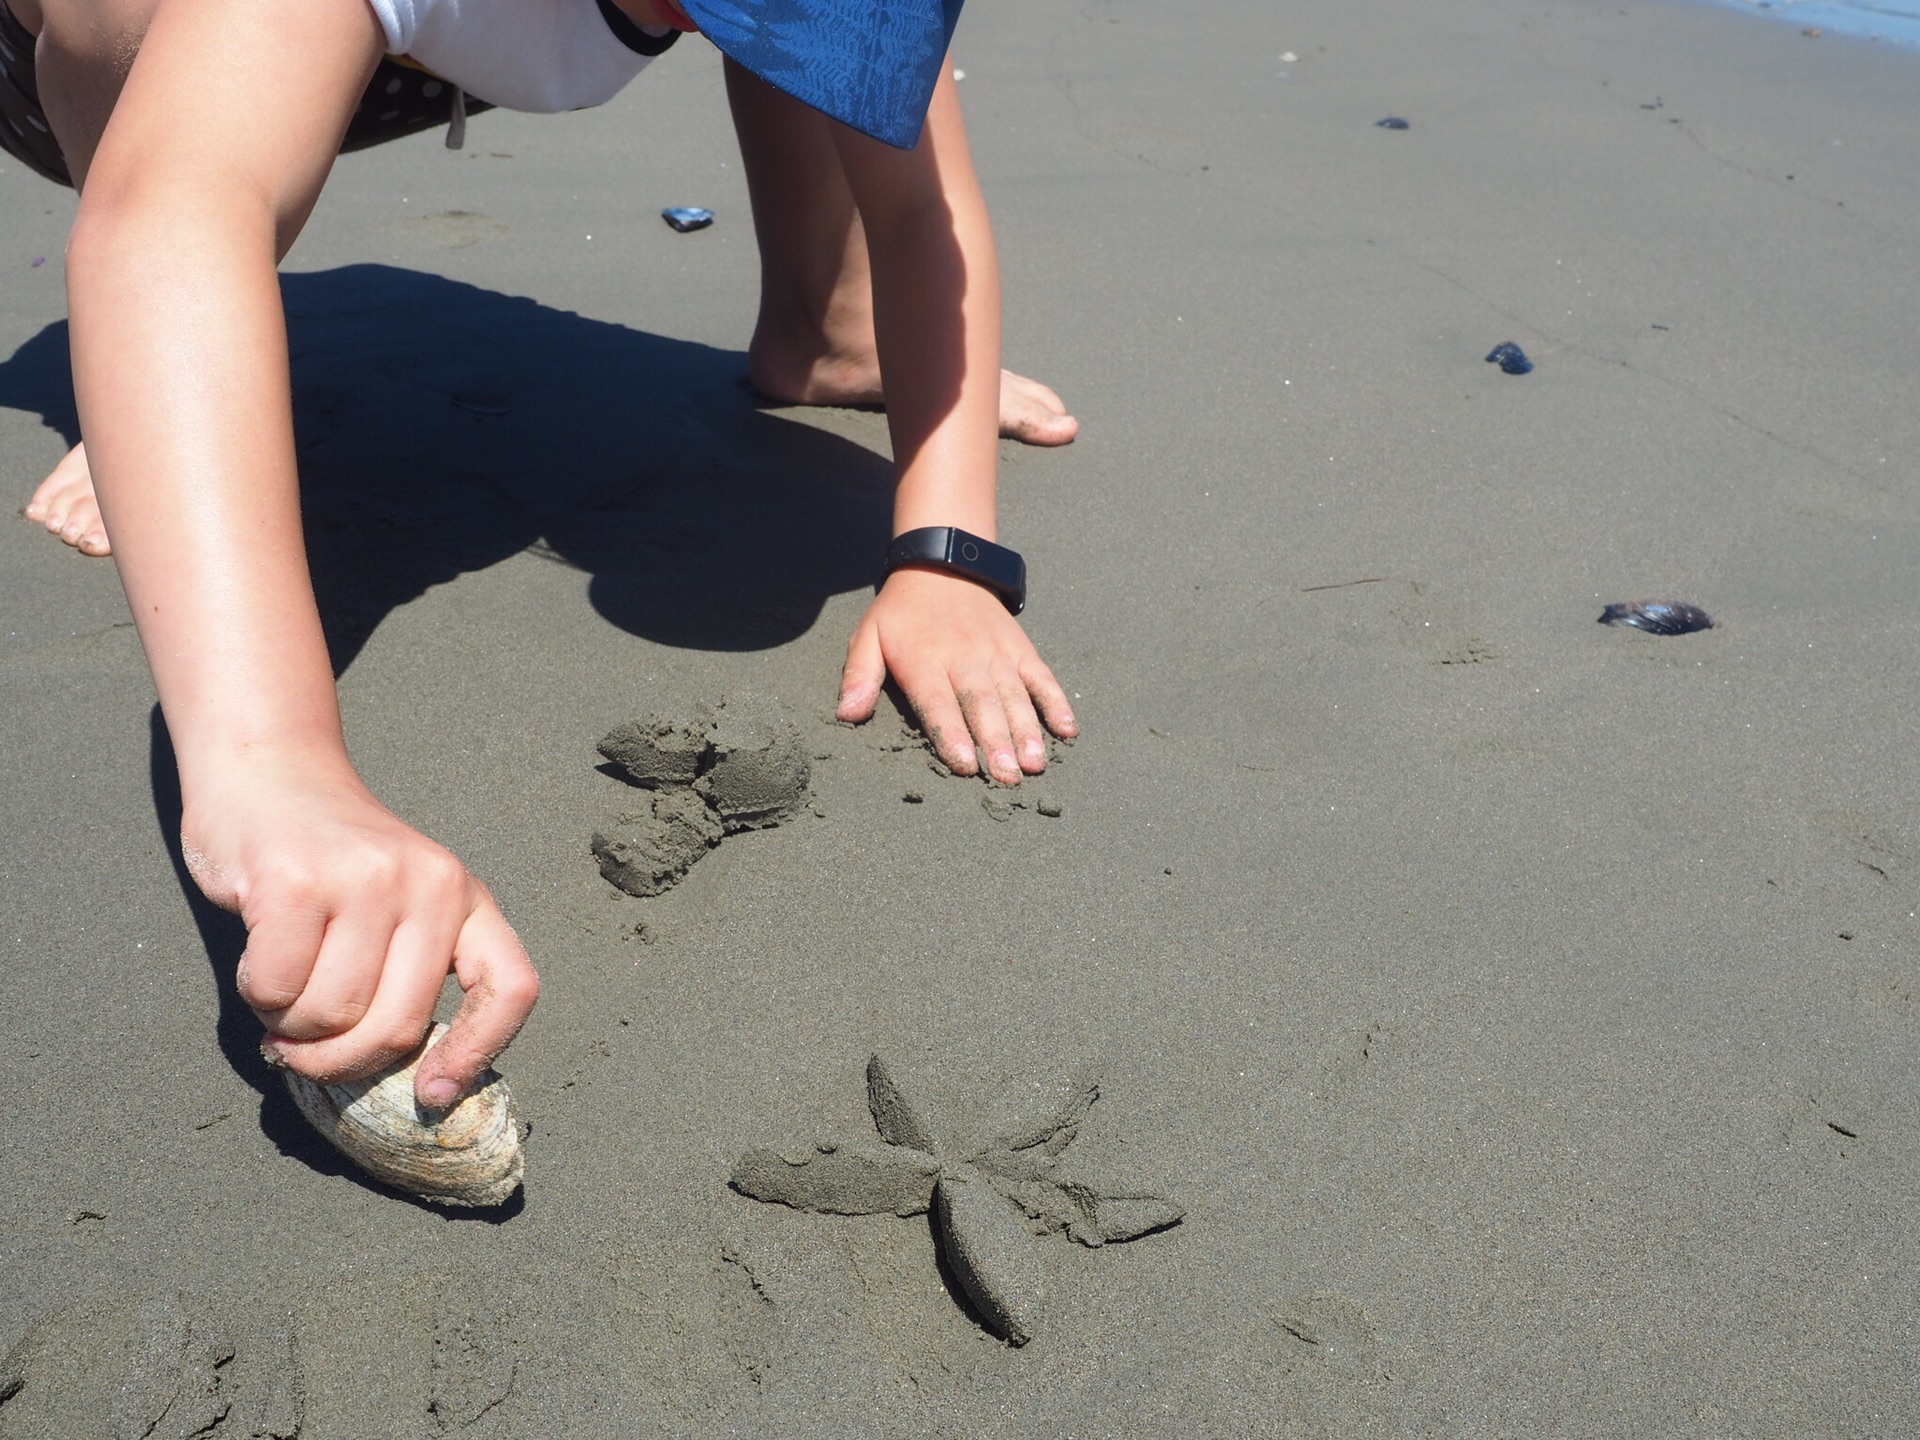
pixel 1522 1010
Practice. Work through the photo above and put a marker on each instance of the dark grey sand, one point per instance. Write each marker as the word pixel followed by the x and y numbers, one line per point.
pixel 737 765
pixel 1523 1009
pixel 993 1183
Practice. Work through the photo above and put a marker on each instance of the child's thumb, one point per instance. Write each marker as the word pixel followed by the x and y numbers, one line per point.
pixel 860 679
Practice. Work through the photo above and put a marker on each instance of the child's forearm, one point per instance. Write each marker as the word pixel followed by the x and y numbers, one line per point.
pixel 180 367
pixel 936 300
pixel 969 671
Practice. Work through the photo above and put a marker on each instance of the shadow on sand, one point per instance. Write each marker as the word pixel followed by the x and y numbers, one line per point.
pixel 442 428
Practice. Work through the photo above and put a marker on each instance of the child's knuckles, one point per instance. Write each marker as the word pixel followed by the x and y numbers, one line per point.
pixel 514 986
pixel 291 883
pixel 272 976
pixel 389 1038
pixel 315 1021
pixel 269 994
pixel 439 872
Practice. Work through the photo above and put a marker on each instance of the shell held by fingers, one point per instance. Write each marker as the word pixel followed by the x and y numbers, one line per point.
pixel 468 1155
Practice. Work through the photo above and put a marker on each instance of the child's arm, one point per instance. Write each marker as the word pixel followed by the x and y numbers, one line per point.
pixel 969 670
pixel 213 156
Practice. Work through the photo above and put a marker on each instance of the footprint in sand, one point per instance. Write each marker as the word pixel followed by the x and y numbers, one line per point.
pixel 1406 614
pixel 474 1366
pixel 1335 1374
pixel 450 229
pixel 1329 1330
pixel 1879 847
pixel 163 1368
pixel 744 1309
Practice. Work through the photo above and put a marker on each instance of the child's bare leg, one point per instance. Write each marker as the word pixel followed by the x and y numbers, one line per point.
pixel 79 84
pixel 66 505
pixel 813 342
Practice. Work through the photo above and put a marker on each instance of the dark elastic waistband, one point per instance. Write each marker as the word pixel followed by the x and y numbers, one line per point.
pixel 626 32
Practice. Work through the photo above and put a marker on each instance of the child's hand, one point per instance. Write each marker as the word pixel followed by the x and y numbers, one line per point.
pixel 353 920
pixel 968 669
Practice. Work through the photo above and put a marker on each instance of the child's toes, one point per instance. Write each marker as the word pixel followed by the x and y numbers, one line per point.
pixel 1032 413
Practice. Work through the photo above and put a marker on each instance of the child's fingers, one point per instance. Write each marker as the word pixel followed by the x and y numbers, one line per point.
pixel 1029 741
pixel 282 946
pixel 931 694
pixel 341 986
pixel 411 970
pixel 987 718
pixel 861 678
pixel 1049 696
pixel 501 989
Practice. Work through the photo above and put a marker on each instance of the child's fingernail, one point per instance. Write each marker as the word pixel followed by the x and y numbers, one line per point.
pixel 439 1093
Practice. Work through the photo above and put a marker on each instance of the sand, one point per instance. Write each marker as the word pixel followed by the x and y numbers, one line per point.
pixel 1522 1009
pixel 736 765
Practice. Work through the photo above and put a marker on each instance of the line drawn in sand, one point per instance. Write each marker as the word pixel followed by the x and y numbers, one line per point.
pixel 990 1192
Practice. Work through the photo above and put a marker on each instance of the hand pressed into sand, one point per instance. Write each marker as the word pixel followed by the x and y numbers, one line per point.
pixel 352 921
pixel 968 669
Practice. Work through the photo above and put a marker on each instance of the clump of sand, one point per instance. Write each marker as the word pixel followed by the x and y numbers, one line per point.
pixel 735 766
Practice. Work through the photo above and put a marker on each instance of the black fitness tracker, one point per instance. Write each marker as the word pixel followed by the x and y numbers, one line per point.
pixel 949 548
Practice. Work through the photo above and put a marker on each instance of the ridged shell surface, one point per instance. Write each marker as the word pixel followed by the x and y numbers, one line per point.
pixel 466 1156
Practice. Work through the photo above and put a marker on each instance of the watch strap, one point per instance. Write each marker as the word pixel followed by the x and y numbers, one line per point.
pixel 949 548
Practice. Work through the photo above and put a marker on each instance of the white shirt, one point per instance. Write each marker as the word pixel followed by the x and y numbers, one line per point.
pixel 542 55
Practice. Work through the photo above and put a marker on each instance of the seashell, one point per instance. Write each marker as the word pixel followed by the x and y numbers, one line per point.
pixel 1510 358
pixel 1658 617
pixel 1393 122
pixel 468 1155
pixel 687 217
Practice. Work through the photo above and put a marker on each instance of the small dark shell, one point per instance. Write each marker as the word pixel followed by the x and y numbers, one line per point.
pixel 1394 122
pixel 687 217
pixel 1510 358
pixel 1658 617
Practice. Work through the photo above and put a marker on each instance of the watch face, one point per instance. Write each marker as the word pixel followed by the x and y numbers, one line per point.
pixel 997 565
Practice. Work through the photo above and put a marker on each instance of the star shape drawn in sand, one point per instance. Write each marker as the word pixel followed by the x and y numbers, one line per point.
pixel 991 1189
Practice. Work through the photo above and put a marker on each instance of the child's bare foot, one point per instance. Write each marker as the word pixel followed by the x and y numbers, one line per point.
pixel 1029 411
pixel 65 504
